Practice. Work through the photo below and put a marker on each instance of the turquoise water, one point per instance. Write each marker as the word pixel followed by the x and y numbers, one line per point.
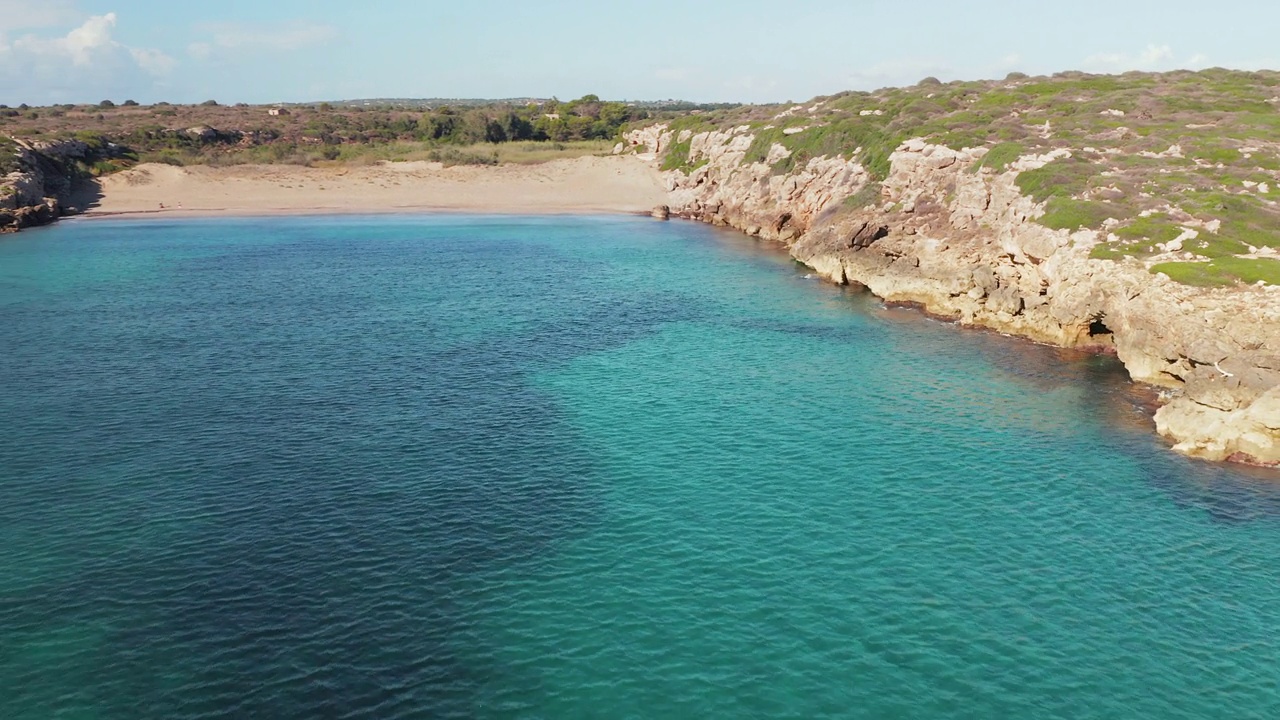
pixel 583 468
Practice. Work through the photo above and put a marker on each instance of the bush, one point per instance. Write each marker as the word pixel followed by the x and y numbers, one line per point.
pixel 209 103
pixel 106 104
pixel 452 156
pixel 1222 271
pixel 999 157
pixel 131 103
pixel 1067 214
pixel 1066 177
pixel 1156 228
pixel 677 157
pixel 870 194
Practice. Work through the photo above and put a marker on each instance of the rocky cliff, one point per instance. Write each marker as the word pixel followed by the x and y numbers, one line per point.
pixel 961 240
pixel 37 187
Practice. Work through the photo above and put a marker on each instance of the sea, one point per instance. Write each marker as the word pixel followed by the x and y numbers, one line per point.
pixel 460 466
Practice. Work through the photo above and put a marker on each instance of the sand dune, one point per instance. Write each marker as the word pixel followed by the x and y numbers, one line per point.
pixel 588 184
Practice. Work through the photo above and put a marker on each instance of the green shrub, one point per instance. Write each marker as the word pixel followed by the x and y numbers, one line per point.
pixel 999 157
pixel 761 144
pixel 677 156
pixel 452 156
pixel 1222 271
pixel 869 195
pixel 1065 177
pixel 1156 228
pixel 1066 214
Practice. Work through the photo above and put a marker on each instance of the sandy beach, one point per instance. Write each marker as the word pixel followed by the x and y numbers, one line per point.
pixel 587 184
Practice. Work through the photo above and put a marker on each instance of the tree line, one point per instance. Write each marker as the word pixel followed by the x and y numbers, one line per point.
pixel 587 118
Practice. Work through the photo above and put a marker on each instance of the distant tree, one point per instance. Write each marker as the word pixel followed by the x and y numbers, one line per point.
pixel 494 132
pixel 131 103
pixel 106 105
pixel 1015 76
pixel 443 125
pixel 326 107
pixel 209 103
pixel 517 128
pixel 24 106
pixel 474 129
pixel 930 82
pixel 614 114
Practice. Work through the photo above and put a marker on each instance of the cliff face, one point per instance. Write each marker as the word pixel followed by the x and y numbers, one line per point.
pixel 964 244
pixel 38 188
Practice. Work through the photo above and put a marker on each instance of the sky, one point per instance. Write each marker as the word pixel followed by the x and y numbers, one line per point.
pixel 264 51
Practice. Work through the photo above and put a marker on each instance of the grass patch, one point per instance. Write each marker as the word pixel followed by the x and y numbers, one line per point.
pixel 867 138
pixel 1066 214
pixel 1060 178
pixel 8 156
pixel 456 156
pixel 999 157
pixel 869 195
pixel 1155 228
pixel 761 145
pixel 1224 271
pixel 677 157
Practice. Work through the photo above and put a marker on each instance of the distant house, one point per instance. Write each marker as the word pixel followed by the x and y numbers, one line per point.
pixel 552 116
pixel 277 112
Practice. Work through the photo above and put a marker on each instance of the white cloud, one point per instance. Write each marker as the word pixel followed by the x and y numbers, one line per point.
pixel 86 63
pixel 903 71
pixel 153 61
pixel 750 86
pixel 227 38
pixel 27 14
pixel 1151 58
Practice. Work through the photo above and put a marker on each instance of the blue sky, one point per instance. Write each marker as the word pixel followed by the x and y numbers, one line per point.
pixel 258 51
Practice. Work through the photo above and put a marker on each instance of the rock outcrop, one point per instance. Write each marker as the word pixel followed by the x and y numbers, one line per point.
pixel 39 190
pixel 964 243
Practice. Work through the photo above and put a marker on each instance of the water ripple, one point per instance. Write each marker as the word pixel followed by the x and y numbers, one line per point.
pixel 474 467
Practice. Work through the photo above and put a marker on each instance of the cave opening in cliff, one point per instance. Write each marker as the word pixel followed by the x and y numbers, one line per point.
pixel 1099 329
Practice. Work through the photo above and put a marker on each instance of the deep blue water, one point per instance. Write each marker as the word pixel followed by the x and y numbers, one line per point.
pixel 583 468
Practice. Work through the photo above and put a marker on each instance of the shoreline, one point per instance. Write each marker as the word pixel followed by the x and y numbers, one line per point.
pixel 322 211
pixel 596 185
pixel 966 246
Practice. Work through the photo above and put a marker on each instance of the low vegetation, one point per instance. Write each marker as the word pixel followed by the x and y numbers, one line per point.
pixel 454 132
pixel 8 156
pixel 1222 271
pixel 1143 158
